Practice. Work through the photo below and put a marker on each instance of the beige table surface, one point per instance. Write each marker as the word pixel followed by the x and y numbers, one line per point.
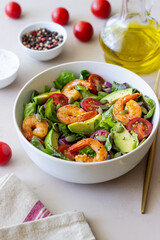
pixel 113 209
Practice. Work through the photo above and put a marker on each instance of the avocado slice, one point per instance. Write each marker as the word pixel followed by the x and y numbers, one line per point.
pixel 112 97
pixel 42 98
pixel 86 127
pixel 123 139
pixel 52 139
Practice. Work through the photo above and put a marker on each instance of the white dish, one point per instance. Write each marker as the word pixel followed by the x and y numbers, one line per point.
pixel 9 65
pixel 44 55
pixel 85 172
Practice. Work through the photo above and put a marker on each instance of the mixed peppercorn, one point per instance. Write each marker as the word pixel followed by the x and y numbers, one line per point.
pixel 42 39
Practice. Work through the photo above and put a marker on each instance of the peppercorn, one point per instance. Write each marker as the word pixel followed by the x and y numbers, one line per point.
pixel 42 39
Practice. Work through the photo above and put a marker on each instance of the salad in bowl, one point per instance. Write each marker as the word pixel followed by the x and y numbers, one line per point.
pixel 86 118
pixel 79 127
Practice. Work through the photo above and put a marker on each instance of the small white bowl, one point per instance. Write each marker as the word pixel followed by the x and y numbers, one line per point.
pixel 78 172
pixel 9 65
pixel 44 55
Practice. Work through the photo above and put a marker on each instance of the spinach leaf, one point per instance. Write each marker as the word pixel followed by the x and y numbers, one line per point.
pixel 117 154
pixel 35 142
pixel 29 109
pixel 55 153
pixel 49 111
pixel 101 95
pixel 77 104
pixel 88 151
pixel 84 75
pixel 41 111
pixel 135 136
pixel 63 79
pixel 109 142
pixel 151 106
pixel 34 94
pixel 48 151
pixel 85 92
pixel 108 118
pixel 96 125
pixel 63 129
pixel 47 88
pixel 119 86
pixel 104 124
pixel 144 139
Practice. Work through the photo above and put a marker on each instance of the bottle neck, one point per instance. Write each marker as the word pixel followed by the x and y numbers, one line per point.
pixel 134 8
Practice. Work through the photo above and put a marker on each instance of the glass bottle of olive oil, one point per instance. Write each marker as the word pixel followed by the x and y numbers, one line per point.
pixel 131 39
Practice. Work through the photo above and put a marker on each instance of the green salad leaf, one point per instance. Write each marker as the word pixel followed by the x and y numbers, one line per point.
pixel 55 153
pixel 88 151
pixel 103 125
pixel 63 79
pixel 135 137
pixel 107 117
pixel 35 142
pixel 144 139
pixel 41 111
pixel 63 129
pixel 29 109
pixel 109 142
pixel 34 94
pixel 101 95
pixel 84 74
pixel 77 104
pixel 47 88
pixel 119 86
pixel 85 92
pixel 49 111
pixel 151 106
pixel 100 124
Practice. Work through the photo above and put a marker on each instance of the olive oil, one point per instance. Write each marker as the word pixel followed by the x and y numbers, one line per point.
pixel 135 47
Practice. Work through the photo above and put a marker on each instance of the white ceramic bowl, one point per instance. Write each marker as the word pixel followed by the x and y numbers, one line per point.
pixel 9 65
pixel 44 55
pixel 84 172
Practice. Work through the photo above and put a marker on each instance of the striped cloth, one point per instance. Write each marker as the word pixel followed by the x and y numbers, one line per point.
pixel 24 217
pixel 37 212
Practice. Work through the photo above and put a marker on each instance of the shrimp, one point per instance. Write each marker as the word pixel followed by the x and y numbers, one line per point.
pixel 101 152
pixel 71 113
pixel 127 103
pixel 32 127
pixel 70 91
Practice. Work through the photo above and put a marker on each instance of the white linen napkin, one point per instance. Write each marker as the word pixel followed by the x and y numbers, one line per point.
pixel 24 217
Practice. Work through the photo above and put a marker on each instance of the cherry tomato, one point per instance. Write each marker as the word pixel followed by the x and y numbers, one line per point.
pixel 101 132
pixel 5 153
pixel 64 149
pixel 140 126
pixel 13 10
pixel 101 8
pixel 83 31
pixel 59 98
pixel 60 15
pixel 95 80
pixel 90 104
